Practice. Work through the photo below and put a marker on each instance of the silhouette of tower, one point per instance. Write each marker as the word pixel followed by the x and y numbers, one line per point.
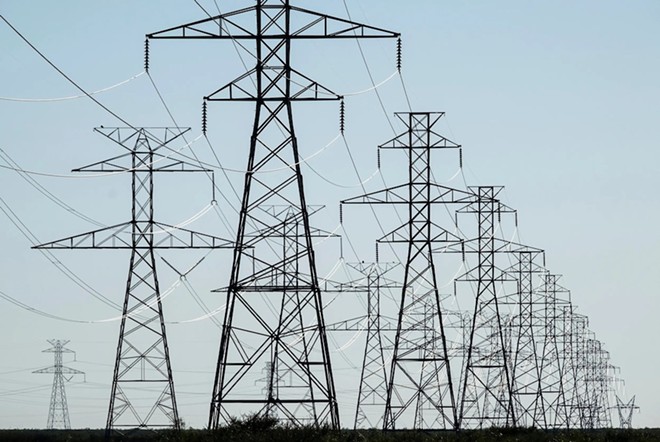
pixel 420 387
pixel 372 393
pixel 525 370
pixel 486 396
pixel 58 413
pixel 580 412
pixel 142 385
pixel 625 410
pixel 552 388
pixel 255 332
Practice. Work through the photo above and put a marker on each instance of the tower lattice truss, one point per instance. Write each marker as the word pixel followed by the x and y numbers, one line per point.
pixel 142 394
pixel 274 316
pixel 58 412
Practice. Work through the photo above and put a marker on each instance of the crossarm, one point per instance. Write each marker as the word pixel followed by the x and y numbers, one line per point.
pixel 120 237
pixel 309 25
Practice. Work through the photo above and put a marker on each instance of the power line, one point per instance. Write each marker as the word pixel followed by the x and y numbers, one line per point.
pixel 69 79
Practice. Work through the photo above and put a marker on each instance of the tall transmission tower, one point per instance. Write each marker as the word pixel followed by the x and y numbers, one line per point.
pixel 525 371
pixel 142 393
pixel 486 392
pixel 552 375
pixel 580 397
pixel 420 388
pixel 598 379
pixel 372 393
pixel 625 410
pixel 261 279
pixel 58 413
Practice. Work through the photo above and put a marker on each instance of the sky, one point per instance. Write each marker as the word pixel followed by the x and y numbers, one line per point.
pixel 556 101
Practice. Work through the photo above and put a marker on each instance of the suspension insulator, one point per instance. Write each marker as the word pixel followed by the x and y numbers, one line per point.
pixel 460 157
pixel 378 156
pixel 204 117
pixel 399 54
pixel 341 214
pixel 146 55
pixel 342 116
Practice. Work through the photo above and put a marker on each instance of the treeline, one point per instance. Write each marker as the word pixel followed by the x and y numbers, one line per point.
pixel 234 434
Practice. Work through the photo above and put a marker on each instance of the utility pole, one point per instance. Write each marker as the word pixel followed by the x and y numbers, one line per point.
pixel 254 332
pixel 58 413
pixel 142 385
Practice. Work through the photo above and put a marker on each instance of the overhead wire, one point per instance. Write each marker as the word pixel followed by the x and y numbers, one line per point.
pixel 72 97
pixel 27 233
pixel 34 183
pixel 15 220
pixel 69 79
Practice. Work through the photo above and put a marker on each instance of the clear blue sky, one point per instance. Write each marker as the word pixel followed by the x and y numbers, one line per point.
pixel 557 101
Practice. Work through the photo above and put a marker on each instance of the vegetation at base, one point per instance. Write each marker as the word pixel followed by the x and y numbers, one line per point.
pixel 254 428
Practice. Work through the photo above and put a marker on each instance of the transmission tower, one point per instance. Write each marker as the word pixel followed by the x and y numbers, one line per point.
pixel 420 388
pixel 372 393
pixel 625 410
pixel 252 332
pixel 552 388
pixel 580 398
pixel 58 413
pixel 567 362
pixel 486 393
pixel 525 370
pixel 142 393
pixel 598 380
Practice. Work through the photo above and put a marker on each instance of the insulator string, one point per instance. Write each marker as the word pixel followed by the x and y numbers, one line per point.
pixel 146 55
pixel 204 115
pixel 342 116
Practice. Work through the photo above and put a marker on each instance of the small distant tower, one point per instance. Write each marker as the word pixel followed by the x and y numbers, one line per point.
pixel 58 415
pixel 625 410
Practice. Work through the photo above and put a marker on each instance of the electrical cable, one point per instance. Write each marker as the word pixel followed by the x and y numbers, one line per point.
pixel 25 231
pixel 72 97
pixel 34 183
pixel 222 216
pixel 69 79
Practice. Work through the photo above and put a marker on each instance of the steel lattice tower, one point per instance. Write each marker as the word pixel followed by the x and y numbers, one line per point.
pixel 372 393
pixel 142 393
pixel 598 377
pixel 486 396
pixel 552 388
pixel 58 413
pixel 420 388
pixel 580 403
pixel 252 333
pixel 568 362
pixel 373 377
pixel 525 371
pixel 625 410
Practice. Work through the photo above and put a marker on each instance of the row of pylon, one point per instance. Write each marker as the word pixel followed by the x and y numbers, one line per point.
pixel 531 364
pixel 520 356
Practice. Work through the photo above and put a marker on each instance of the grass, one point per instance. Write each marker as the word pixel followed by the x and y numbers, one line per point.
pixel 253 428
